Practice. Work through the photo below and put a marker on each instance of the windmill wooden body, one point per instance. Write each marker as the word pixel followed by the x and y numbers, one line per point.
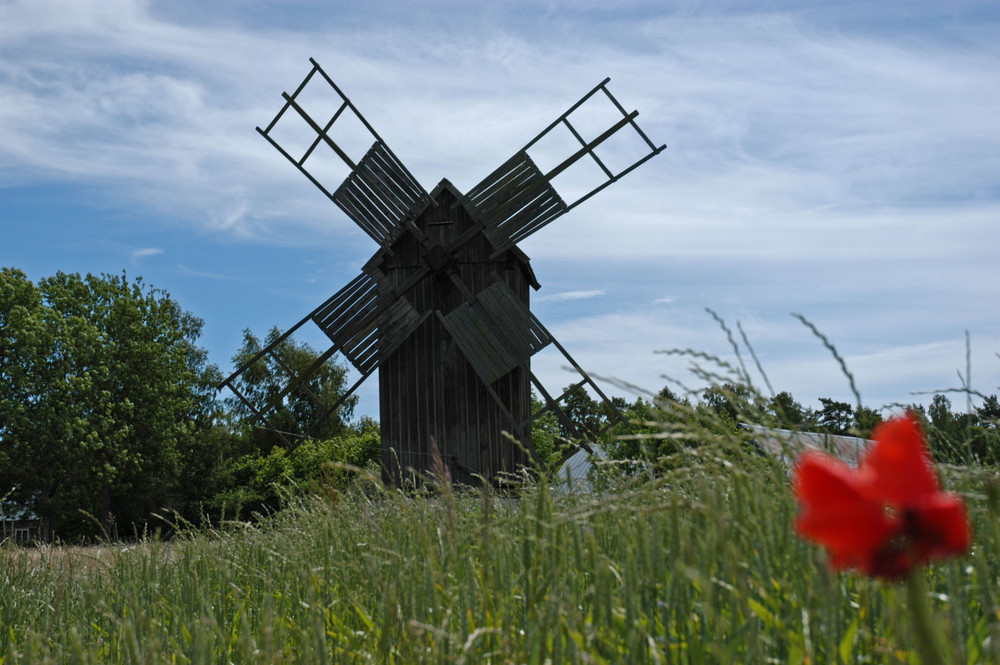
pixel 441 310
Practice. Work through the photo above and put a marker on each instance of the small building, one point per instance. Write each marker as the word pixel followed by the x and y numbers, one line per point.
pixel 20 526
pixel 784 444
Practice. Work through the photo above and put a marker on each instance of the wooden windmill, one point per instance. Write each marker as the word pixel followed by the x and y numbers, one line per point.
pixel 441 309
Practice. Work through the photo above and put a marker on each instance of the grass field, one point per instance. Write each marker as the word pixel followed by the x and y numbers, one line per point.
pixel 699 566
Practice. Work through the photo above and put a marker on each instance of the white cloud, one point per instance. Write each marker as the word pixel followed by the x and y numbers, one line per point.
pixel 628 345
pixel 208 275
pixel 571 295
pixel 143 253
pixel 765 137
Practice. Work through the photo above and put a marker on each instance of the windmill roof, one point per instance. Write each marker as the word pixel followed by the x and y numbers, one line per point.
pixel 445 185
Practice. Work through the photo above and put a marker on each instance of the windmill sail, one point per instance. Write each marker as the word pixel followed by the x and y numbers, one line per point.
pixel 496 333
pixel 518 198
pixel 379 194
pixel 514 201
pixel 366 322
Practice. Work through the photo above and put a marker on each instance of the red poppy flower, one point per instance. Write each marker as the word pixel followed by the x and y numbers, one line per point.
pixel 886 516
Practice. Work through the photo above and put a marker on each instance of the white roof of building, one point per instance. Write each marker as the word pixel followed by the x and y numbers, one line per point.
pixel 574 470
pixel 790 444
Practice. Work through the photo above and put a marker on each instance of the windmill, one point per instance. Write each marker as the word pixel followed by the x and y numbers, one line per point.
pixel 441 310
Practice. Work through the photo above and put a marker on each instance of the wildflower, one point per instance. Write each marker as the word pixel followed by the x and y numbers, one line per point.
pixel 889 515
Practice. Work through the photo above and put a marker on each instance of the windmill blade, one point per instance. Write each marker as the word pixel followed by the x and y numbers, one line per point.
pixel 367 321
pixel 297 396
pixel 515 197
pixel 555 403
pixel 379 194
pixel 526 333
pixel 493 350
pixel 496 332
pixel 518 198
pixel 486 352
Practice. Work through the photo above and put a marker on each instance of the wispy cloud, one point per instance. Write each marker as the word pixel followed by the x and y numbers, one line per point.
pixel 571 295
pixel 623 344
pixel 762 134
pixel 208 275
pixel 143 253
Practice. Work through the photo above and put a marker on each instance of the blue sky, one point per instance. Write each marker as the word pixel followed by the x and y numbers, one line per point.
pixel 839 159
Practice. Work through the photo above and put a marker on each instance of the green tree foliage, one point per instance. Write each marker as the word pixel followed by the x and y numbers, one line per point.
pixel 662 433
pixel 264 380
pixel 733 403
pixel 788 413
pixel 583 411
pixel 963 438
pixel 835 417
pixel 259 471
pixel 546 434
pixel 641 442
pixel 989 412
pixel 257 482
pixel 104 397
pixel 865 420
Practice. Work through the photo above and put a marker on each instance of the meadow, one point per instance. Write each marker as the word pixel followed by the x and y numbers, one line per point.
pixel 700 564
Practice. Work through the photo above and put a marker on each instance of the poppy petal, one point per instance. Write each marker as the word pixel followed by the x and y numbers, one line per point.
pixel 938 526
pixel 892 561
pixel 898 467
pixel 835 512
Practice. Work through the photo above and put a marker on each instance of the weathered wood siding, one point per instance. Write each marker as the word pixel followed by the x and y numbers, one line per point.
pixel 427 389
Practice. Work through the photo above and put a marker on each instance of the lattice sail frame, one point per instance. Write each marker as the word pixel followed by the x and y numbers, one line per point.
pixel 518 199
pixel 380 194
pixel 367 320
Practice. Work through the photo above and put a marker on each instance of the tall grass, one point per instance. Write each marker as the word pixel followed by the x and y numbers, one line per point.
pixel 698 566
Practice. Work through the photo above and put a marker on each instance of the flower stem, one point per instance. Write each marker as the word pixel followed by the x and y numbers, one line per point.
pixel 930 641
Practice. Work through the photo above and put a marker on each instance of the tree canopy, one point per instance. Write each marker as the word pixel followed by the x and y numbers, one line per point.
pixel 301 408
pixel 103 398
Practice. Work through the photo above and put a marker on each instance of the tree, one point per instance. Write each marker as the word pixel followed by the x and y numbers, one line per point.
pixel 734 402
pixel 638 442
pixel 258 470
pixel 789 413
pixel 835 417
pixel 257 482
pixel 989 413
pixel 865 420
pixel 940 414
pixel 298 411
pixel 103 396
pixel 545 433
pixel 583 411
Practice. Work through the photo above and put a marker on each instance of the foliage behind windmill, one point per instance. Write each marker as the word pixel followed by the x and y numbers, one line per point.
pixel 442 308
